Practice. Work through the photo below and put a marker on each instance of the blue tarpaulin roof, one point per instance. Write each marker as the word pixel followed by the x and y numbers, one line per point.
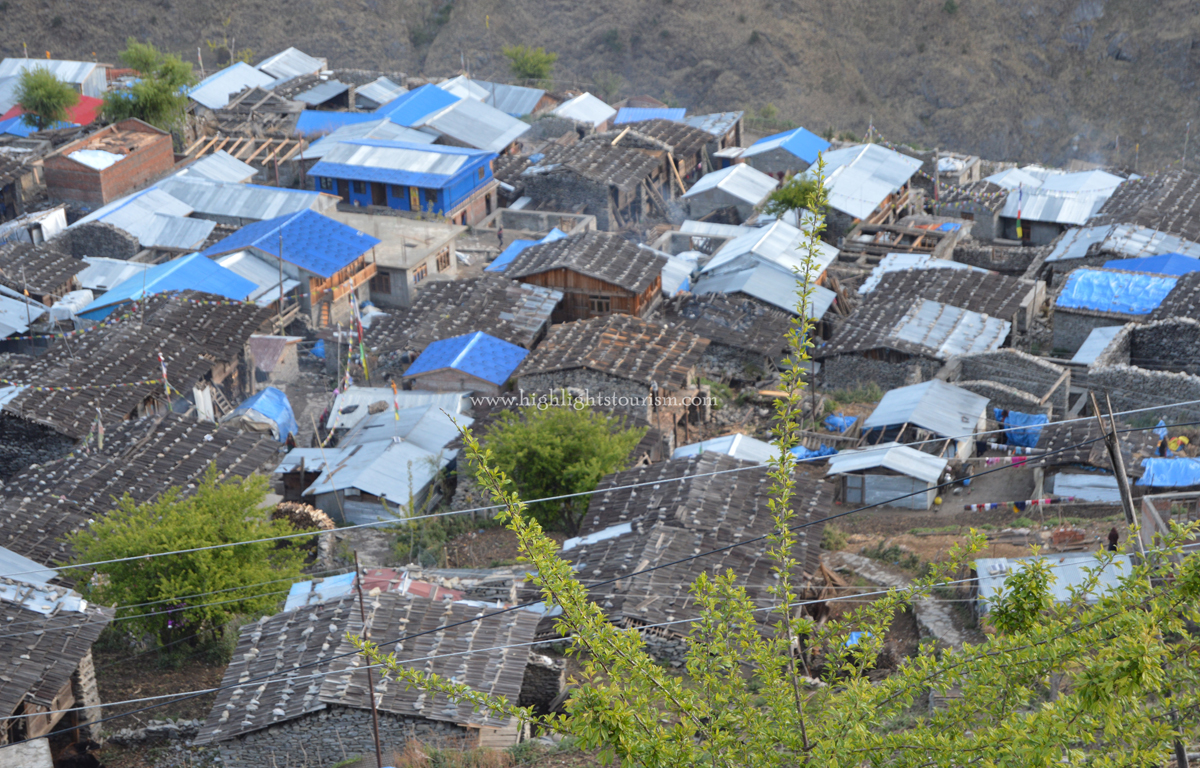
pixel 1167 264
pixel 1102 290
pixel 800 452
pixel 516 247
pixel 191 272
pixel 638 114
pixel 408 109
pixel 801 142
pixel 839 423
pixel 477 354
pixel 313 242
pixel 1032 422
pixel 312 121
pixel 949 226
pixel 1170 473
pixel 272 404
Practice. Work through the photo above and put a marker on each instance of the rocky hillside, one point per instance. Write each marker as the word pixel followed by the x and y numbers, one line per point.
pixel 1033 80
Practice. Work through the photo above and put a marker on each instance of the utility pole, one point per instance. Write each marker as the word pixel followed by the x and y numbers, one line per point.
pixel 362 611
pixel 1118 463
pixel 280 278
pixel 937 182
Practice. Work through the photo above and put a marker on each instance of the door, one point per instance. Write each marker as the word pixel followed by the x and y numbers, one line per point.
pixel 343 189
pixel 414 199
pixel 378 194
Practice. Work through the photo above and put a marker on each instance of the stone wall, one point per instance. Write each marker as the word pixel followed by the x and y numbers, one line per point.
pixel 321 739
pixel 609 392
pixel 1172 345
pixel 1071 328
pixel 850 371
pixel 728 364
pixel 101 240
pixel 1060 269
pixel 23 443
pixel 1001 396
pixel 87 697
pixel 566 191
pixel 1131 387
pixel 1009 261
pixel 545 678
pixel 1118 350
pixel 1017 370
pixel 837 224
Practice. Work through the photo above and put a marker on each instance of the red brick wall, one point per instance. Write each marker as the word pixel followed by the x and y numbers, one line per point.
pixel 69 180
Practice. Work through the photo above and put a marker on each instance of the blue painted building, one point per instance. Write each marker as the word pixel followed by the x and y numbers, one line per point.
pixel 454 182
pixel 474 362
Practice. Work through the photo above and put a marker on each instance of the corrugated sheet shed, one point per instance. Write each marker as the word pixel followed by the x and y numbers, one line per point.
pixel 622 346
pixel 941 408
pixel 242 201
pixel 220 166
pixel 216 90
pixel 730 321
pixel 1167 202
pixel 289 63
pixel 767 284
pixel 801 142
pixel 600 255
pixel 861 177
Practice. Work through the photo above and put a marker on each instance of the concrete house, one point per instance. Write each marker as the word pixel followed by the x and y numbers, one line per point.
pixel 599 274
pixel 327 260
pixel 884 473
pixel 109 163
pixel 453 182
pixel 1095 298
pixel 475 362
pixel 738 186
pixel 785 153
pixel 930 410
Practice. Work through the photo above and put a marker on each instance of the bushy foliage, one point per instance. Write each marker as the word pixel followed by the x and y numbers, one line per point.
pixel 159 97
pixel 532 66
pixel 44 98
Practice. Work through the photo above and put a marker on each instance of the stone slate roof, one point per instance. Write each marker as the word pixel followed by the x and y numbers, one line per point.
pixel 874 326
pixel 278 645
pixel 516 312
pixel 1167 202
pixel 596 161
pixel 143 458
pixel 40 651
pixel 988 293
pixel 683 139
pixel 191 336
pixel 622 346
pixel 42 268
pixel 1182 301
pixel 985 193
pixel 1084 444
pixel 730 320
pixel 599 255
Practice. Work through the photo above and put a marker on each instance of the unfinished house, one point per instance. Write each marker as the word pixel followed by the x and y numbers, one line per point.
pixel 1050 201
pixel 785 154
pixel 475 362
pixel 534 225
pixel 746 338
pixel 740 187
pixel 43 272
pixel 599 274
pixel 888 473
pixel 325 260
pixel 1098 245
pixel 409 254
pixel 725 128
pixel 46 674
pixel 216 90
pixel 980 203
pixel 681 148
pixel 1096 298
pixel 1152 364
pixel 931 410
pixel 867 183
pixel 893 343
pixel 518 313
pixel 109 163
pixel 1013 380
pixel 617 185
pixel 681 507
pixel 281 717
pixel 619 362
pixel 868 244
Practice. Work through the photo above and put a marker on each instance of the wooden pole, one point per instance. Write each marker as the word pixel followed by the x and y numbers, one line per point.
pixel 1114 454
pixel 937 183
pixel 362 609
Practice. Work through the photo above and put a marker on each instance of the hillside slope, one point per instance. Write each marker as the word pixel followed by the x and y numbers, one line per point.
pixel 1034 81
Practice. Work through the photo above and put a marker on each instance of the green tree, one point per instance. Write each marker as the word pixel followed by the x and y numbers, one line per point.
pixel 530 65
pixel 558 451
pixel 159 96
pixel 218 513
pixel 44 98
pixel 1107 678
pixel 796 193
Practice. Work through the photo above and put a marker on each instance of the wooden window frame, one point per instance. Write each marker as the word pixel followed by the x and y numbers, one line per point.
pixel 600 305
pixel 382 282
pixel 443 260
pixel 420 273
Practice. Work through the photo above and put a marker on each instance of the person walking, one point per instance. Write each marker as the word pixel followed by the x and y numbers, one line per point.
pixel 500 236
pixel 1113 538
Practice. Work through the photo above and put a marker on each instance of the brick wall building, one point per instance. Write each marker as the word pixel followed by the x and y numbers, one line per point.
pixel 108 164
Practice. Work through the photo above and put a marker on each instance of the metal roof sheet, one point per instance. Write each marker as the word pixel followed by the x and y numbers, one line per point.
pixel 21 568
pixel 41 598
pixel 262 274
pixel 381 128
pixel 214 91
pixel 476 124
pixel 1107 290
pixel 737 445
pixel 313 122
pixel 74 72
pixel 8 92
pixel 739 181
pixel 516 247
pixel 191 272
pixel 898 262
pixel 941 408
pixel 717 123
pixel 322 92
pixel 242 201
pixel 709 228
pixel 1069 570
pixel 1087 487
pixel 585 108
pixel 861 177
pixel 350 406
pixel 893 456
pixel 290 63
pixel 396 162
pixel 949 331
pixel 1096 342
pixel 102 274
pixel 476 354
pixel 515 100
pixel 380 91
pixel 411 108
pixel 776 245
pixel 313 242
pixel 304 594
pixel 638 114
pixel 156 219
pixel 801 142
pixel 220 166
pixel 768 284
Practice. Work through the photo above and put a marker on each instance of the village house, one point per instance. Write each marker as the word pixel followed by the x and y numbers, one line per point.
pixel 87 78
pixel 44 272
pixel 326 259
pixel 763 285
pixel 109 163
pixel 681 148
pixel 643 369
pixel 35 227
pixel 512 100
pixel 738 186
pixel 784 154
pixel 638 114
pixel 373 95
pixel 929 410
pixel 471 123
pixel 588 113
pixel 192 272
pixel 148 225
pixel 979 202
pixel 1047 201
pixel 725 128
pixel 214 92
pixel 291 63
pixel 1150 364
pixel 452 182
pixel 867 183
pixel 1013 380
pixel 737 445
pixel 377 128
pixel 746 339
pixel 1097 246
pixel 1165 203
pixel 887 473
pixel 777 246
pixel 609 182
pixel 1095 298
pixel 476 362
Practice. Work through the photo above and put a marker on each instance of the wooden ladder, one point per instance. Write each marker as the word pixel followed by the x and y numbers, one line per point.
pixel 219 400
pixel 324 321
pixel 656 198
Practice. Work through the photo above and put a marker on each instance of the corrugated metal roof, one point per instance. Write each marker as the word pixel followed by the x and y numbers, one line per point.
pixel 308 593
pixel 74 72
pixel 801 142
pixel 220 166
pixel 1040 194
pixel 355 401
pixel 396 162
pixel 476 354
pixel 638 114
pixel 313 242
pixel 191 272
pixel 767 284
pixel 1087 487
pixel 898 262
pixel 1164 264
pixel 156 219
pixel 861 177
pixel 1107 290
pixel 708 228
pixel 214 91
pixel 941 408
pixel 737 445
pixel 290 63
pixel 241 201
pixel 380 91
pixel 775 245
pixel 893 456
pixel 322 92
pixel 739 181
pixel 411 108
pixel 103 274
pixel 476 124
pixel 1070 569
pixel 718 123
pixel 515 100
pixel 262 274
pixel 585 108
pixel 1127 240
pixel 313 122
pixel 677 272
pixel 1096 342
pixel 518 246
pixel 8 92
pixel 950 331
pixel 40 598
pixel 382 129
pixel 21 568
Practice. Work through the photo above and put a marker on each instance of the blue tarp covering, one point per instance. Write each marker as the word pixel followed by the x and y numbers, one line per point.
pixel 517 247
pixel 1103 291
pixel 318 349
pixel 477 354
pixel 273 405
pixel 638 114
pixel 800 452
pixel 314 122
pixel 838 422
pixel 1023 437
pixel 949 226
pixel 1166 264
pixel 1170 473
pixel 1160 429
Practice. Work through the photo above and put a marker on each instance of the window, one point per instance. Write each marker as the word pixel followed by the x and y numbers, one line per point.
pixel 599 305
pixel 443 260
pixel 420 273
pixel 481 174
pixel 381 283
pixel 966 216
pixel 360 187
pixel 326 183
